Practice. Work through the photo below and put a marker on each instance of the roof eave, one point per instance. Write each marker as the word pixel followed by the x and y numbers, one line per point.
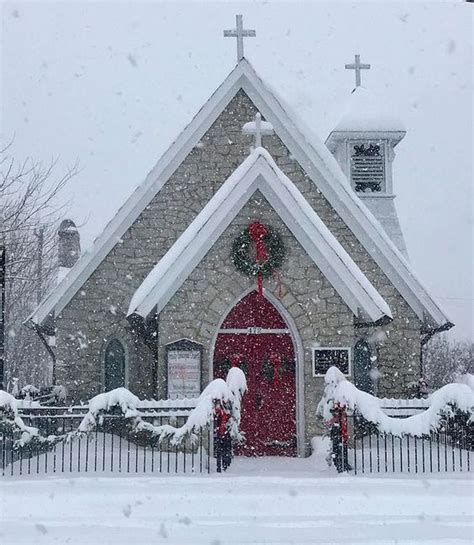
pixel 337 136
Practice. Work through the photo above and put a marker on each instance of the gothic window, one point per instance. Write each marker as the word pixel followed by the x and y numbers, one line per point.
pixel 114 365
pixel 368 167
pixel 363 367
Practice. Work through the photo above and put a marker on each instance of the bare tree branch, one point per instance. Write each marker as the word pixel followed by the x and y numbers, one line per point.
pixel 29 201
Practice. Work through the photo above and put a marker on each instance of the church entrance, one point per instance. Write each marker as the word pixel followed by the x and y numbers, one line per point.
pixel 255 337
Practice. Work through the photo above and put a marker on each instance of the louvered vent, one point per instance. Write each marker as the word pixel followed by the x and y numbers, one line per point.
pixel 367 167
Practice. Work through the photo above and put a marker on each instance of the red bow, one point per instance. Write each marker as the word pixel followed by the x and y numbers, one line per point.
pixel 256 232
pixel 275 360
pixel 235 359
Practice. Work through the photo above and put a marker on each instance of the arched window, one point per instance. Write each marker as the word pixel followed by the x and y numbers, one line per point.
pixel 363 367
pixel 114 365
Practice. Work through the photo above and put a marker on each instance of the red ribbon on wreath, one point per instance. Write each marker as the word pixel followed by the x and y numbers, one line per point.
pixel 275 360
pixel 256 232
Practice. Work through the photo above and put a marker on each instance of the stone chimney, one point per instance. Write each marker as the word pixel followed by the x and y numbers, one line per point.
pixel 69 249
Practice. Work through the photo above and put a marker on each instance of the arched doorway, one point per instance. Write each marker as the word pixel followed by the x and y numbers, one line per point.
pixel 255 336
pixel 363 367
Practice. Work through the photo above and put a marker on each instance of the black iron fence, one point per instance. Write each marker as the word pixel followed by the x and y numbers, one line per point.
pixel 364 449
pixel 111 447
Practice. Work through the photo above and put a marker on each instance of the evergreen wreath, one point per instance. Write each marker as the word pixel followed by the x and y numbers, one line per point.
pixel 268 371
pixel 287 366
pixel 245 263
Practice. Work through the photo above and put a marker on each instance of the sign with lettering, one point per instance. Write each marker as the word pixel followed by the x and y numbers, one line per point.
pixel 324 358
pixel 184 369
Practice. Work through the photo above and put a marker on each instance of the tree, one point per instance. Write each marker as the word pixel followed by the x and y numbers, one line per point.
pixel 29 215
pixel 444 360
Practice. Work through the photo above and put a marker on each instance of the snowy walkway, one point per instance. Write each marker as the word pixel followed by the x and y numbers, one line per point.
pixel 287 503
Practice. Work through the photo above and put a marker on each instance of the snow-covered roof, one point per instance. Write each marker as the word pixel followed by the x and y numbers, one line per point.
pixel 311 154
pixel 366 112
pixel 259 172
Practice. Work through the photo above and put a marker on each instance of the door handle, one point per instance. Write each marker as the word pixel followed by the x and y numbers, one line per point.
pixel 259 401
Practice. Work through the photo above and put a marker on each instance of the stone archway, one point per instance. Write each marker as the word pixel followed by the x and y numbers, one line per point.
pixel 255 336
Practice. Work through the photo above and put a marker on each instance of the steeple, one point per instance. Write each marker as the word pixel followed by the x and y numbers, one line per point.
pixel 363 143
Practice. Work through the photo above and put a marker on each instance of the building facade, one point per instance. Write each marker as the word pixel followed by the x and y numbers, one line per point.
pixel 161 305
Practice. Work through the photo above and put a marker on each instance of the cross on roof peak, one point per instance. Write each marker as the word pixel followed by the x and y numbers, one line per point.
pixel 357 66
pixel 240 33
pixel 258 128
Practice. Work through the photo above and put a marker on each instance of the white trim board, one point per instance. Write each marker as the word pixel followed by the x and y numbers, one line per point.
pixel 253 331
pixel 259 172
pixel 310 153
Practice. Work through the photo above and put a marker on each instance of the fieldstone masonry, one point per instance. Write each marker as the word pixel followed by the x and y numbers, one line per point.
pixel 98 311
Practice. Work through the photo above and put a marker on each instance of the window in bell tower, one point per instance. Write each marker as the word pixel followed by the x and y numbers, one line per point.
pixel 368 167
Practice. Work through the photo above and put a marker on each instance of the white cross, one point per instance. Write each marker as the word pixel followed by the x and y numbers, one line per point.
pixel 240 34
pixel 258 128
pixel 357 66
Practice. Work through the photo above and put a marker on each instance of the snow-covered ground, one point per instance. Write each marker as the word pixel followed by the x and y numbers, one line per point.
pixel 271 501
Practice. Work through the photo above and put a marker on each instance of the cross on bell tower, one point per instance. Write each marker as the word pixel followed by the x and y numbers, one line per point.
pixel 357 66
pixel 240 33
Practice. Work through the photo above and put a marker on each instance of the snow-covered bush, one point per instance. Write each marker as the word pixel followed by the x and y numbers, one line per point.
pixel 120 398
pixel 11 424
pixel 229 391
pixel 449 401
pixel 48 395
pixel 8 413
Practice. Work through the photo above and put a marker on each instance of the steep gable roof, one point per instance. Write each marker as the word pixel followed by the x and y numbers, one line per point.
pixel 310 153
pixel 260 172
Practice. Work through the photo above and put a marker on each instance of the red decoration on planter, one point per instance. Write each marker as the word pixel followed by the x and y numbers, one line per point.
pixel 256 232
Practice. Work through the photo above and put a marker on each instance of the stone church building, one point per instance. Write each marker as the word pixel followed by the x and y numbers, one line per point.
pixel 251 243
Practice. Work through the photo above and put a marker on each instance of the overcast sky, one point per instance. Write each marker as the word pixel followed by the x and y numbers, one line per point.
pixel 112 84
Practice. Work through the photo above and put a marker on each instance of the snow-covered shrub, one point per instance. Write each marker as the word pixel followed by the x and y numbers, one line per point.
pixel 229 391
pixel 27 437
pixel 125 403
pixel 452 400
pixel 120 399
pixel 46 396
pixel 8 413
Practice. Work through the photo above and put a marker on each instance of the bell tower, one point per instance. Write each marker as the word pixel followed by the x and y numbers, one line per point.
pixel 363 144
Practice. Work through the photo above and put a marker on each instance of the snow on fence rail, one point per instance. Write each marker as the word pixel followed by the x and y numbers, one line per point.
pixel 438 438
pixel 447 401
pixel 116 427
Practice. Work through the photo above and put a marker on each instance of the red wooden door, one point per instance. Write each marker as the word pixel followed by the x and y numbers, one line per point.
pixel 255 332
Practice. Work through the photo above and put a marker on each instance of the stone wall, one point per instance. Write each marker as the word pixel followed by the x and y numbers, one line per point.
pixel 98 310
